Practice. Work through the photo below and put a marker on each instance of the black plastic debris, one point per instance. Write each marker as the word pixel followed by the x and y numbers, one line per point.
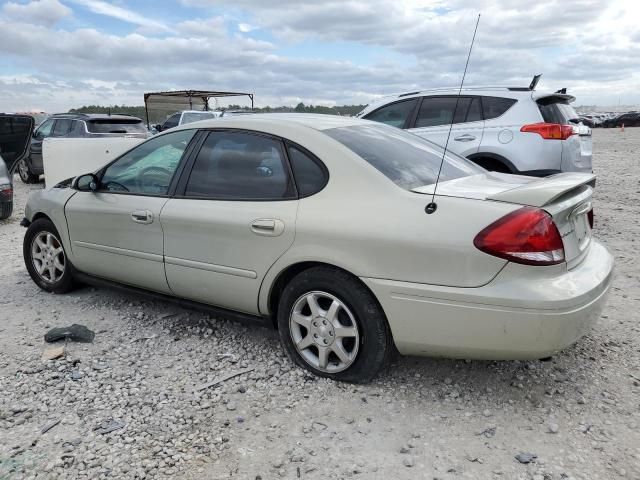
pixel 109 426
pixel 75 333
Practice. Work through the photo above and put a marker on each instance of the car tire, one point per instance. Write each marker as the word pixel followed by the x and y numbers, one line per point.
pixel 348 321
pixel 6 209
pixel 25 174
pixel 45 257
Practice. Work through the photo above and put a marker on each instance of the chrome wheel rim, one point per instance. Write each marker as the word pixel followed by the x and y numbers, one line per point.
pixel 324 332
pixel 47 256
pixel 23 170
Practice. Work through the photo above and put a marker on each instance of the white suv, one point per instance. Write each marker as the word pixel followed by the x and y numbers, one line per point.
pixel 504 129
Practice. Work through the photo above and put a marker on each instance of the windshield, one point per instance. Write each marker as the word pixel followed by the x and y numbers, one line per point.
pixel 114 125
pixel 196 116
pixel 406 159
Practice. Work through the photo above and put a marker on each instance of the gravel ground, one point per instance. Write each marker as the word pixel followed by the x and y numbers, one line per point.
pixel 578 415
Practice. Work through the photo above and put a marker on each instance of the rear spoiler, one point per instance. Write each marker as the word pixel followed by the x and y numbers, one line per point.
pixel 545 190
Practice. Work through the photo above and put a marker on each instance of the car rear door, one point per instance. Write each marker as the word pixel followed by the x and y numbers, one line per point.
pixel 115 232
pixel 15 137
pixel 436 114
pixel 232 217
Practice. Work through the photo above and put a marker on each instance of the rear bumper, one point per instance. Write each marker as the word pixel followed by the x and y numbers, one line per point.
pixel 524 313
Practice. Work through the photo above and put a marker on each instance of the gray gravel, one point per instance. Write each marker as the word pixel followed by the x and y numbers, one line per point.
pixel 128 405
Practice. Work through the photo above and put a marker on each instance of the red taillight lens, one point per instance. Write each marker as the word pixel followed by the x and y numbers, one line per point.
pixel 6 189
pixel 591 218
pixel 527 235
pixel 549 131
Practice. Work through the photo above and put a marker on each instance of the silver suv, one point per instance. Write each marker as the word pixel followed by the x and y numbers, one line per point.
pixel 503 129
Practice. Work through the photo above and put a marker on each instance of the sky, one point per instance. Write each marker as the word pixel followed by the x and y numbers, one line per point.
pixel 60 54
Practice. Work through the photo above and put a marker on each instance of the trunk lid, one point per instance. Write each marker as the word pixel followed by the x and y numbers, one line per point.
pixel 15 138
pixel 565 196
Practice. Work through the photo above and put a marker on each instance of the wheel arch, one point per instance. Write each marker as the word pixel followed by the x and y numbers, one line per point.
pixel 482 158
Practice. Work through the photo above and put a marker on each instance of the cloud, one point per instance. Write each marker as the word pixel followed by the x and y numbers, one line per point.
pixel 44 12
pixel 120 13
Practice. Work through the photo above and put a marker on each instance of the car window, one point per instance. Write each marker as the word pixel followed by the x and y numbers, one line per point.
pixel 309 175
pixel 240 166
pixel 171 122
pixel 408 160
pixel 120 125
pixel 395 114
pixel 45 129
pixel 196 117
pixel 436 111
pixel 149 167
pixel 556 110
pixel 61 127
pixel 493 107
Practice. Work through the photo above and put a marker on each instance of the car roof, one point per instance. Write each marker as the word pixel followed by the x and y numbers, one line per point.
pixel 316 121
pixel 94 116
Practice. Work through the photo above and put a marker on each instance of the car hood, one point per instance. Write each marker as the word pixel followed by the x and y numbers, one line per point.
pixel 15 138
pixel 504 187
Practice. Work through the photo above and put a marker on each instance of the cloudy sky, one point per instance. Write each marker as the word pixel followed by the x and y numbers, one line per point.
pixel 59 54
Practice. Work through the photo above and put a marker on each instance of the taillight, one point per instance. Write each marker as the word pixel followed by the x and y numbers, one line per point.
pixel 591 219
pixel 6 189
pixel 527 235
pixel 549 131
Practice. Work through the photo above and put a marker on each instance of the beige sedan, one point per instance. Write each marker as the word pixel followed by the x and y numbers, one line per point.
pixel 318 225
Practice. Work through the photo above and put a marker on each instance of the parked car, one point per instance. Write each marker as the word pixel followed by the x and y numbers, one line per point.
pixel 631 119
pixel 317 225
pixel 187 116
pixel 76 125
pixel 510 130
pixel 15 133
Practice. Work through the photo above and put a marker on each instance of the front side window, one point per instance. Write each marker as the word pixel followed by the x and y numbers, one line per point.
pixel 240 166
pixel 61 127
pixel 171 122
pixel 44 130
pixel 406 159
pixel 395 114
pixel 149 167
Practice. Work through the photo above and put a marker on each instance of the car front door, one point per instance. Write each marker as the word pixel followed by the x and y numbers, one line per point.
pixel 115 232
pixel 232 216
pixel 462 115
pixel 35 153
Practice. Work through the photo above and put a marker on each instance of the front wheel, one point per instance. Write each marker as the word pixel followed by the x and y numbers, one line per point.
pixel 25 172
pixel 330 324
pixel 45 258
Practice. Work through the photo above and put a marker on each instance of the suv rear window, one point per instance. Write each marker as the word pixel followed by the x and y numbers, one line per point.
pixel 557 110
pixel 113 125
pixel 406 159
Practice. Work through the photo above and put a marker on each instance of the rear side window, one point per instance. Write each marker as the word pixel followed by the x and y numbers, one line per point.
pixel 395 114
pixel 436 111
pixel 107 125
pixel 557 110
pixel 493 107
pixel 240 166
pixel 406 159
pixel 61 127
pixel 310 176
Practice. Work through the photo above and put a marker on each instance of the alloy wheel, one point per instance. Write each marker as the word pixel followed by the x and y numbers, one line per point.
pixel 23 170
pixel 47 256
pixel 324 331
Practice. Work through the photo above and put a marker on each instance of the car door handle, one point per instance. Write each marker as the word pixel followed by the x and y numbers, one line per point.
pixel 142 216
pixel 268 227
pixel 465 138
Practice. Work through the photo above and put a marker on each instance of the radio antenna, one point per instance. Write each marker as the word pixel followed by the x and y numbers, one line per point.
pixel 432 207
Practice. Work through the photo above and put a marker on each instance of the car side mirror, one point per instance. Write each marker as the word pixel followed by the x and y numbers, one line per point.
pixel 158 127
pixel 87 183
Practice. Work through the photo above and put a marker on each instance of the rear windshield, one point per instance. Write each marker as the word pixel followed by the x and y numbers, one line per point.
pixel 557 110
pixel 196 116
pixel 406 159
pixel 112 125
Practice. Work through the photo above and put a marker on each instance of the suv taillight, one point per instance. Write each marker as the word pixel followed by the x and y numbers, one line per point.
pixel 6 189
pixel 549 131
pixel 527 235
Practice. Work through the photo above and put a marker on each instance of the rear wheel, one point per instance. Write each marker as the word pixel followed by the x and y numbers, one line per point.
pixel 25 172
pixel 6 209
pixel 492 165
pixel 331 325
pixel 45 258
